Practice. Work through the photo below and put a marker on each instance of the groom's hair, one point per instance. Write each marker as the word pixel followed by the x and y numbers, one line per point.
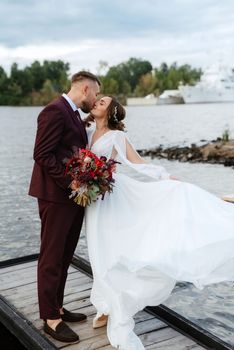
pixel 84 75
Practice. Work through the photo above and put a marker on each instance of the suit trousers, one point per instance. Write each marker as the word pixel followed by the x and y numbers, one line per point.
pixel 60 230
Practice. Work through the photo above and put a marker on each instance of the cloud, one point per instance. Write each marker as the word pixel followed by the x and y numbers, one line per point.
pixel 83 32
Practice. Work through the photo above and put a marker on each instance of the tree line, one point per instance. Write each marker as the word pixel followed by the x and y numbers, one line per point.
pixel 40 83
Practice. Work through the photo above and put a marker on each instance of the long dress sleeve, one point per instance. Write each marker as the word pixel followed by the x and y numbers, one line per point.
pixel 154 171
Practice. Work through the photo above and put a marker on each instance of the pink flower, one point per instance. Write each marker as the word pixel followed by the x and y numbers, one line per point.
pixel 87 160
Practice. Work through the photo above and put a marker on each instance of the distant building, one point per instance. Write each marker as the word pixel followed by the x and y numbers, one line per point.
pixel 148 100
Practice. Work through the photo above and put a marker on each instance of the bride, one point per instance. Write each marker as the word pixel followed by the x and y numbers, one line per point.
pixel 145 236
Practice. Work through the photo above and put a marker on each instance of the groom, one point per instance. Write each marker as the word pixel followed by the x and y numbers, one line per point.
pixel 59 130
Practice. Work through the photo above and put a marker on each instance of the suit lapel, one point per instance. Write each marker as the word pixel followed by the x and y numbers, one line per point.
pixel 74 117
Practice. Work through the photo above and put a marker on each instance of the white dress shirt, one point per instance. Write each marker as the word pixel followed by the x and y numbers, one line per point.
pixel 71 103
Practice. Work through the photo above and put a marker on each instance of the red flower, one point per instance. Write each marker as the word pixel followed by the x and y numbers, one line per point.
pixel 92 174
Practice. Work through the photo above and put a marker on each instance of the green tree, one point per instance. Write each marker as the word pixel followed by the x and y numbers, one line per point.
pixel 48 92
pixel 22 78
pixel 110 86
pixel 3 86
pixel 14 94
pixel 39 83
pixel 35 84
pixel 129 72
pixel 169 77
pixel 146 85
pixel 57 73
pixel 38 75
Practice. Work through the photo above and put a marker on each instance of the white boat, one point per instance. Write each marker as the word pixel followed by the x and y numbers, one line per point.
pixel 216 85
pixel 170 97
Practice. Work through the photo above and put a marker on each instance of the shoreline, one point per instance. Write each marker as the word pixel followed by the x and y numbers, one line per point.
pixel 213 152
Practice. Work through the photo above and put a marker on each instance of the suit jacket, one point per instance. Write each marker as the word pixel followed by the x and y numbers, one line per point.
pixel 58 132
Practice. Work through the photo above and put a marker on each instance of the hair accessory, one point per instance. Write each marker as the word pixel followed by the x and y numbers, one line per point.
pixel 115 119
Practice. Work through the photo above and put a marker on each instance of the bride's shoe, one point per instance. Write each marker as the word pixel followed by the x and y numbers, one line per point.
pixel 100 321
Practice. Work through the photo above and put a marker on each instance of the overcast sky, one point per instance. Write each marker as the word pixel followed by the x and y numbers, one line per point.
pixel 198 32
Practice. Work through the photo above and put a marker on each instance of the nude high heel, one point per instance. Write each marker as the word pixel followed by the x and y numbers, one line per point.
pixel 100 321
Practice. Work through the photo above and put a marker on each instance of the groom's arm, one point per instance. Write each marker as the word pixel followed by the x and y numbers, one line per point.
pixel 49 134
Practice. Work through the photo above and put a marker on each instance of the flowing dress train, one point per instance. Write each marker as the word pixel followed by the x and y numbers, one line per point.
pixel 145 236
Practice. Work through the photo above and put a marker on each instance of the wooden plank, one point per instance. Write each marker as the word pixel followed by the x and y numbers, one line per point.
pixel 29 290
pixel 19 267
pixel 13 283
pixel 96 342
pixel 149 326
pixel 32 308
pixel 88 335
pixel 166 338
pixel 27 265
pixel 26 269
pixel 20 288
pixel 24 279
pixel 32 303
pixel 33 315
pixel 107 347
pixel 187 327
pixel 28 335
pixel 33 312
pixel 142 316
pixel 26 273
pixel 178 342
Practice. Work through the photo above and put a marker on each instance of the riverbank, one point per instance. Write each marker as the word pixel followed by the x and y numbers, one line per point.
pixel 214 152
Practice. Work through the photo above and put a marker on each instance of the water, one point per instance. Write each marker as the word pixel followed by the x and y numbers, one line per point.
pixel 147 126
pixel 178 124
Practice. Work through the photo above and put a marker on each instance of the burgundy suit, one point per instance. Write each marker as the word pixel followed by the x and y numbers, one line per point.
pixel 59 131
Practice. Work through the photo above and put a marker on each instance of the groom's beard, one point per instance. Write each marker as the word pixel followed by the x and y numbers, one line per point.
pixel 86 107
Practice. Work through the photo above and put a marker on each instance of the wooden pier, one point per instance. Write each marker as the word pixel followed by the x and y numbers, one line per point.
pixel 158 327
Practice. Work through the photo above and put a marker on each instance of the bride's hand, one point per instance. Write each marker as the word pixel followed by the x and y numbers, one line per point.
pixel 174 178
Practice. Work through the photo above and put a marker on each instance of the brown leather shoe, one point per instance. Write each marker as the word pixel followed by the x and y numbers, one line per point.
pixel 62 333
pixel 73 316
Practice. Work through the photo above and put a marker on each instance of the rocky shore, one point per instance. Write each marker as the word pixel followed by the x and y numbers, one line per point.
pixel 215 152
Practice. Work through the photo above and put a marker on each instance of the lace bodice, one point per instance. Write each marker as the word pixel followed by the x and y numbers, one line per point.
pixel 113 144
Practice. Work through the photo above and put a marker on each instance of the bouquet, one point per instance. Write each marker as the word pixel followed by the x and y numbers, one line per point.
pixel 92 175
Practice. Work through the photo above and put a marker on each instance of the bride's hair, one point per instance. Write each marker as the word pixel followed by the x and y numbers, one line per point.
pixel 115 113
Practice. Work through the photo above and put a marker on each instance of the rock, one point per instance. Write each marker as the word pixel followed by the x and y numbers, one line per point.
pixel 163 155
pixel 216 151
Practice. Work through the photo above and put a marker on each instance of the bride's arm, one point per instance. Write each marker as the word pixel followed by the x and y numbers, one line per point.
pixel 132 155
pixel 129 156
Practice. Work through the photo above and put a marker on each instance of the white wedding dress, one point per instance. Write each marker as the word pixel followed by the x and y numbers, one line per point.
pixel 145 236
